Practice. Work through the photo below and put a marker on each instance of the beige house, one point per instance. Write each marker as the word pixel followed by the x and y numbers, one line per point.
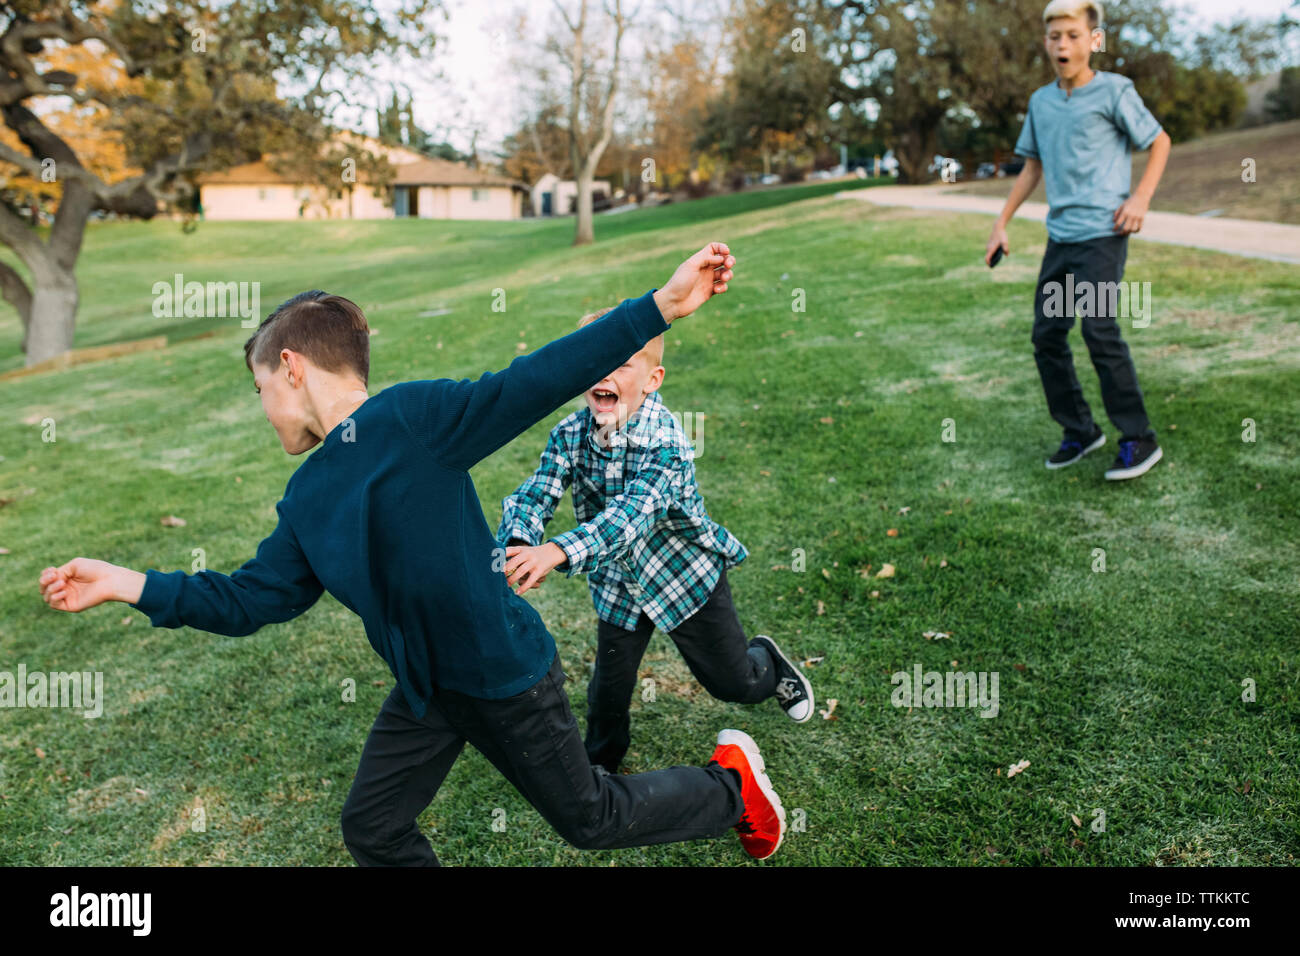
pixel 423 188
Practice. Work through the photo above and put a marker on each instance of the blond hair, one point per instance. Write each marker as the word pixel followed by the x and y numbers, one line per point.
pixel 654 349
pixel 1074 8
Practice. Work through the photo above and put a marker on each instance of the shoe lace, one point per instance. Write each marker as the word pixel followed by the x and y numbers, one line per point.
pixel 787 688
pixel 1127 451
pixel 744 824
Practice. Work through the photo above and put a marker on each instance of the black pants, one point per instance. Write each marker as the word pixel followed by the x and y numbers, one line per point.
pixel 713 644
pixel 1094 261
pixel 533 739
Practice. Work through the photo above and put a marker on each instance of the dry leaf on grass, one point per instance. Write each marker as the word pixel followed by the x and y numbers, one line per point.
pixel 892 532
pixel 829 712
pixel 821 608
pixel 1077 821
pixel 826 574
pixel 40 754
pixel 886 571
pixel 811 661
pixel 1016 768
pixel 936 635
pixel 171 521
pixel 4 550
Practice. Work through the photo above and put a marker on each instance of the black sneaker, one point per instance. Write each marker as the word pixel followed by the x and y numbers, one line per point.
pixel 793 692
pixel 1072 451
pixel 1134 458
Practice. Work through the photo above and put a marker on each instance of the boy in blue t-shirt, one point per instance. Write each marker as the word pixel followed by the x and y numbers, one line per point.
pixel 1078 136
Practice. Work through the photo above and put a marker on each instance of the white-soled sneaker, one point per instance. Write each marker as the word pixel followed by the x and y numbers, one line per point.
pixel 793 691
pixel 1135 458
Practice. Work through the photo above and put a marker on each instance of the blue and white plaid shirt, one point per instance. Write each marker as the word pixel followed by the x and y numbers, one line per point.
pixel 644 539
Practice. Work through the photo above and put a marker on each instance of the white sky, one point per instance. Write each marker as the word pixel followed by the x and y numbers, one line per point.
pixel 476 86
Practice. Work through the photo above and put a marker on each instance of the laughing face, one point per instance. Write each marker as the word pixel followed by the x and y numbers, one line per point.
pixel 1070 43
pixel 617 396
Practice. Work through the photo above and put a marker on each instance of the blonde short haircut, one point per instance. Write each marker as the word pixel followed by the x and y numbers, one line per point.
pixel 1089 9
pixel 654 349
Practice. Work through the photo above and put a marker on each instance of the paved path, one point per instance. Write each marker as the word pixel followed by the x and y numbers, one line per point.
pixel 1241 237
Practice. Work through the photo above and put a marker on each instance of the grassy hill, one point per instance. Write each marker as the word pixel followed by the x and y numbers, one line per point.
pixel 824 432
pixel 1204 176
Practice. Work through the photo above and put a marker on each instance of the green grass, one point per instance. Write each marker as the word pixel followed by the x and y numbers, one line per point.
pixel 1123 689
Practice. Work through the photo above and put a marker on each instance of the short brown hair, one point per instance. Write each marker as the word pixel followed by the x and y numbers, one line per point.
pixel 655 347
pixel 329 330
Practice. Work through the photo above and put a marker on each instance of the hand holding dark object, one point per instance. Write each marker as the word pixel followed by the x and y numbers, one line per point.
pixel 996 257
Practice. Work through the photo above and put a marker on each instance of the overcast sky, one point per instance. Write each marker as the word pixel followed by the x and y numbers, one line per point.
pixel 471 89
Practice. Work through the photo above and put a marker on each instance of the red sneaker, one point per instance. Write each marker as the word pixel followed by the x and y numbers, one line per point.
pixel 762 822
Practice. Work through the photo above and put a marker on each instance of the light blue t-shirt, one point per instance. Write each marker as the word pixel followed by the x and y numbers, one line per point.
pixel 1084 142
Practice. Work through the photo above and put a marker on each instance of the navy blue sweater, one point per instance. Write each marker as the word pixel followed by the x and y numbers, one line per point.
pixel 384 516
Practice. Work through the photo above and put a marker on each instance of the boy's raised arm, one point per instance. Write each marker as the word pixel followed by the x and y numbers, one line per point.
pixel 464 422
pixel 274 586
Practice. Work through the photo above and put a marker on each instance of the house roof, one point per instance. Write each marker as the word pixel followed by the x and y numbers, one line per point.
pixel 422 171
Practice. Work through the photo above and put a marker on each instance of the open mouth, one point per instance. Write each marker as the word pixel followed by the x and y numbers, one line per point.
pixel 604 400
pixel 1063 60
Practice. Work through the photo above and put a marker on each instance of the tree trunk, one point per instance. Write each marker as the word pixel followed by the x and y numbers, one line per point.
pixel 54 314
pixel 583 232
pixel 915 152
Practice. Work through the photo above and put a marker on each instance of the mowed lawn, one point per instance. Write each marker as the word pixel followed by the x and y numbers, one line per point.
pixel 823 431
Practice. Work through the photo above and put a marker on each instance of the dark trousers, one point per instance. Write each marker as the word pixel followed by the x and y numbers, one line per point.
pixel 1094 261
pixel 533 739
pixel 713 644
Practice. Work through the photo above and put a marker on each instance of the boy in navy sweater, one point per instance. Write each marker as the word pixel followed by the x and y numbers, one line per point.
pixel 385 517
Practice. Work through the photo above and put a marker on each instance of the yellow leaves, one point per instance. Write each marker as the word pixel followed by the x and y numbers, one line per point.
pixel 171 521
pixel 828 713
pixel 886 571
pixel 40 754
pixel 892 533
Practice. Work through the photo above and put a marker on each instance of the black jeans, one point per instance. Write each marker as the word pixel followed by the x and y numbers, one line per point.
pixel 1094 262
pixel 713 644
pixel 533 739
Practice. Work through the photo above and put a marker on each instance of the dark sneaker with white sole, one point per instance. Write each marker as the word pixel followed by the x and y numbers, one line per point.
pixel 793 691
pixel 1134 458
pixel 1072 451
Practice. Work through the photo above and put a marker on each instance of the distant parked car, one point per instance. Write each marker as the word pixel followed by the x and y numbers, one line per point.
pixel 946 167
pixel 770 179
pixel 986 171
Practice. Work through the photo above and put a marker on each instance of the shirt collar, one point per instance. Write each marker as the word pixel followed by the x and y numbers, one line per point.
pixel 637 430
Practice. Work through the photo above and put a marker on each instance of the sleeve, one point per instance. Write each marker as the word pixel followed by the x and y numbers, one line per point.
pixel 525 513
pixel 276 585
pixel 1132 116
pixel 1027 144
pixel 626 517
pixel 463 422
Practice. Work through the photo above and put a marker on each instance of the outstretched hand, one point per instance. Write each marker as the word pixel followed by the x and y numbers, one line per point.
pixel 696 280
pixel 84 583
pixel 527 567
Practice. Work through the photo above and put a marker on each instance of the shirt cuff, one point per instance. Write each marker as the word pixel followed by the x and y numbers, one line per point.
pixel 571 544
pixel 158 595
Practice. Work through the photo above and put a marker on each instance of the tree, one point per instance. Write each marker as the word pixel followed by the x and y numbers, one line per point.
pixel 185 87
pixel 590 104
pixel 777 97
pixel 1283 103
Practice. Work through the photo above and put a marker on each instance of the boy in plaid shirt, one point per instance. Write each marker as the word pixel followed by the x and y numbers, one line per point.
pixel 651 554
